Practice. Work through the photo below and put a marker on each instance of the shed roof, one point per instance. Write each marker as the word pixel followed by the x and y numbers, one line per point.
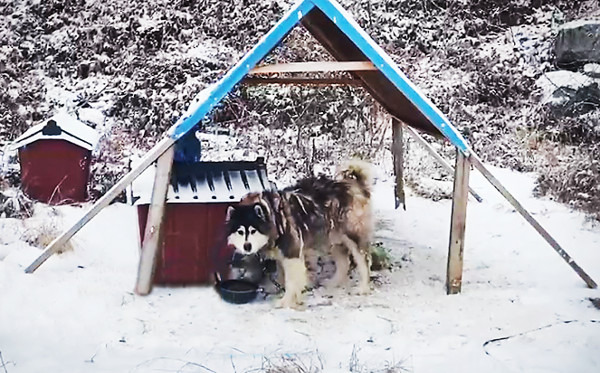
pixel 61 126
pixel 205 182
pixel 335 29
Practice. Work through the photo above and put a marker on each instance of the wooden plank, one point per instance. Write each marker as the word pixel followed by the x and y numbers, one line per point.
pixel 531 220
pixel 302 81
pixel 460 197
pixel 418 138
pixel 102 202
pixel 317 66
pixel 398 154
pixel 153 233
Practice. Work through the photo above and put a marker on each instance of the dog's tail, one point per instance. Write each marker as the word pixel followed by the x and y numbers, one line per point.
pixel 359 171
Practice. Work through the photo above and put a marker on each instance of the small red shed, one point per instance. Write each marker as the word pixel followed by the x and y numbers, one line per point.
pixel 55 159
pixel 194 240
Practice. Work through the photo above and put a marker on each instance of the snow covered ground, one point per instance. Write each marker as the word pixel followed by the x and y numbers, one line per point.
pixel 78 312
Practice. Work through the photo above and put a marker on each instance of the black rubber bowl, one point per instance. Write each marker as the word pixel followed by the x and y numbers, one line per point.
pixel 237 291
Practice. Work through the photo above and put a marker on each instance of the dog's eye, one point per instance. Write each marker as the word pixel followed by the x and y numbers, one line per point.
pixel 252 231
pixel 240 232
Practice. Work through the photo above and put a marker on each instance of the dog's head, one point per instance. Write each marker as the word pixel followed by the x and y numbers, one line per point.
pixel 248 227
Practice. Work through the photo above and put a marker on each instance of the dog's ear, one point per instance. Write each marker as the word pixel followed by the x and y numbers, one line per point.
pixel 260 212
pixel 229 214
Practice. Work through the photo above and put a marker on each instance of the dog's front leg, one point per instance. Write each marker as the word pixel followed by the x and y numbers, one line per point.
pixel 295 282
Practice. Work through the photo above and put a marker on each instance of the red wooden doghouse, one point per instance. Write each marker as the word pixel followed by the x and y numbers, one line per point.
pixel 55 159
pixel 194 240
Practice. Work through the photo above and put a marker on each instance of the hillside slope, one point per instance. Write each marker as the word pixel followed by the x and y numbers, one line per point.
pixel 131 68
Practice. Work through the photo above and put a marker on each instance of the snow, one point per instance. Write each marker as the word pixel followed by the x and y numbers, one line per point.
pixel 78 312
pixel 554 81
pixel 73 131
pixel 580 23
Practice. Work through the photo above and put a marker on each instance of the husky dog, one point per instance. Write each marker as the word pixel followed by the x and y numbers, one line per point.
pixel 318 213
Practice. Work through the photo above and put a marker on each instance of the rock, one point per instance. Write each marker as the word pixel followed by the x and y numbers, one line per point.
pixel 577 43
pixel 83 70
pixel 557 81
pixel 569 93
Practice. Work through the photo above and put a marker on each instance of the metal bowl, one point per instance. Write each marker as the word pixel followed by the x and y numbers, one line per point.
pixel 237 291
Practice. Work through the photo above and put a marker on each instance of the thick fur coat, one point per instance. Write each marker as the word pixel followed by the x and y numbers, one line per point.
pixel 317 214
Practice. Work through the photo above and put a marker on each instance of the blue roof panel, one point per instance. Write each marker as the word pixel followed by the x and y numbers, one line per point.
pixel 207 99
pixel 204 104
pixel 389 68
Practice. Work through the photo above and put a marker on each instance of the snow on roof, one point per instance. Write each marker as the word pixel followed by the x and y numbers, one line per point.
pixel 580 23
pixel 61 126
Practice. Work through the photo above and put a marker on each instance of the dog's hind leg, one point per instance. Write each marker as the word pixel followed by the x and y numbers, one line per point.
pixel 359 255
pixel 295 282
pixel 311 260
pixel 342 266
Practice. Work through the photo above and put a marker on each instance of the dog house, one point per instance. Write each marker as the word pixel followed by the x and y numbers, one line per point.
pixel 194 240
pixel 55 159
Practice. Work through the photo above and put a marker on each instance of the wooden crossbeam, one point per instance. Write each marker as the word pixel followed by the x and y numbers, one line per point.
pixel 102 202
pixel 319 66
pixel 478 164
pixel 302 81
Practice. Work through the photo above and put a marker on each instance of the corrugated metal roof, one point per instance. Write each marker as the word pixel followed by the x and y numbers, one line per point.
pixel 205 182
pixel 62 126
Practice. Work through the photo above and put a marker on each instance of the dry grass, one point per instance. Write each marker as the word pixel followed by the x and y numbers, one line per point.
pixel 14 204
pixel 571 174
pixel 292 363
pixel 311 362
pixel 40 232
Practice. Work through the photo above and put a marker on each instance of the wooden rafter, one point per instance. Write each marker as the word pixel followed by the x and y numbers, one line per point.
pixel 319 66
pixel 302 81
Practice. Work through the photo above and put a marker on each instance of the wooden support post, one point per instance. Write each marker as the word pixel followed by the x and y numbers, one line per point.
pixel 153 234
pixel 398 153
pixel 458 222
pixel 531 220
pixel 101 203
pixel 418 138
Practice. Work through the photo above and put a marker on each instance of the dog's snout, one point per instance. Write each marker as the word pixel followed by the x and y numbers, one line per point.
pixel 247 246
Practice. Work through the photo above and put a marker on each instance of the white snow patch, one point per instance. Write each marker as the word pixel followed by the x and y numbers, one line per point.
pixel 78 312
pixel 550 82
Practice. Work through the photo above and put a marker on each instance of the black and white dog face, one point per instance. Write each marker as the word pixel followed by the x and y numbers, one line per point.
pixel 247 228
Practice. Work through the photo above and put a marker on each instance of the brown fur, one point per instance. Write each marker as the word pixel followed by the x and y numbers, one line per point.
pixel 319 214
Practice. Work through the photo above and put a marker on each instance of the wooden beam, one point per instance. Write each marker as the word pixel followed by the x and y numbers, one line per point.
pixel 531 220
pixel 418 138
pixel 101 203
pixel 153 234
pixel 398 155
pixel 303 81
pixel 458 223
pixel 318 66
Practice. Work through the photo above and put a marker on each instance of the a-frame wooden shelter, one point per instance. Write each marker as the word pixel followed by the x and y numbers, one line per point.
pixel 371 68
